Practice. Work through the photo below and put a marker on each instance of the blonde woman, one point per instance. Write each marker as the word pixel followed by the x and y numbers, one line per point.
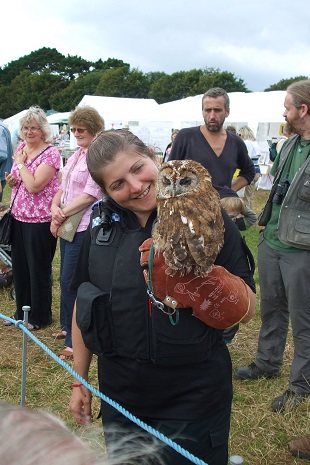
pixel 34 180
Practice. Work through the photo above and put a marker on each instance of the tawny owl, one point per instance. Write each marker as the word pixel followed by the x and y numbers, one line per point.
pixel 190 227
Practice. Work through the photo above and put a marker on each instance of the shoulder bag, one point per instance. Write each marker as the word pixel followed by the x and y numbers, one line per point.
pixel 6 225
pixel 68 228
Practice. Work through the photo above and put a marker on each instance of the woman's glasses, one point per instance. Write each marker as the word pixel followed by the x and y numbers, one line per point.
pixel 78 130
pixel 32 129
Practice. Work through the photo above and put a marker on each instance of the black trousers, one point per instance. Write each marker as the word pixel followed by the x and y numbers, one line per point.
pixel 32 251
pixel 3 183
pixel 206 439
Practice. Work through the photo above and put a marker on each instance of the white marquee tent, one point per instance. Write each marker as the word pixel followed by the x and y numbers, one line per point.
pixel 251 109
pixel 117 111
pixel 257 107
pixel 141 116
pixel 244 107
pixel 262 111
pixel 184 113
pixel 13 121
pixel 153 123
pixel 58 118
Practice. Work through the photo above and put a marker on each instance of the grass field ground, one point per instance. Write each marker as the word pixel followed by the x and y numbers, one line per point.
pixel 258 434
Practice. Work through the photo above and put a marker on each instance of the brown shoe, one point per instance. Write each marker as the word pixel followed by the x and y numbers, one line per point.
pixel 300 447
pixel 60 334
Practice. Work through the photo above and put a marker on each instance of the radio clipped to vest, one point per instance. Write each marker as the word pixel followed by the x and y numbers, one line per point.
pixel 103 217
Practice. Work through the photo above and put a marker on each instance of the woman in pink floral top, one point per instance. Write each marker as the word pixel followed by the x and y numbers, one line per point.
pixel 35 178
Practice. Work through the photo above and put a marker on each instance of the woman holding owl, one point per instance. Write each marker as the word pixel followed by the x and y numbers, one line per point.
pixel 172 373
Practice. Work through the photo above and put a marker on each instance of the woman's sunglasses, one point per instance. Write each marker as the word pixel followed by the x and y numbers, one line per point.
pixel 79 130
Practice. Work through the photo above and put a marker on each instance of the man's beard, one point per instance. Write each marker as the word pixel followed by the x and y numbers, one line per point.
pixel 214 128
pixel 290 129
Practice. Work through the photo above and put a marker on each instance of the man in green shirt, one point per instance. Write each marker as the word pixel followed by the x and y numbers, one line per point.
pixel 284 265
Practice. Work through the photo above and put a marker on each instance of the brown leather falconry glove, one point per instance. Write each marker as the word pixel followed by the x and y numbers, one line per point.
pixel 219 299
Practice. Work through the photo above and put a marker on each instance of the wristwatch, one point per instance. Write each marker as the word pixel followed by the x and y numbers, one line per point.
pixel 20 166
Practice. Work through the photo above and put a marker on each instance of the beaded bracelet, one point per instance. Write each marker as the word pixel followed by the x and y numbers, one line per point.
pixel 79 385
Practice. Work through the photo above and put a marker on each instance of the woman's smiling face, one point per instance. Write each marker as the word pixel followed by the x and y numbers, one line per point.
pixel 130 180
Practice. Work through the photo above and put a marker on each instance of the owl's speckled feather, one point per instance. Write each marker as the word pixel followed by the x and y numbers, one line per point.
pixel 190 226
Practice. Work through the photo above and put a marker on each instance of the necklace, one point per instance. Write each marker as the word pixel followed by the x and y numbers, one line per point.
pixel 302 144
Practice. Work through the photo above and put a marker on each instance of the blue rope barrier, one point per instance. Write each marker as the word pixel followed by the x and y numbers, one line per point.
pixel 20 325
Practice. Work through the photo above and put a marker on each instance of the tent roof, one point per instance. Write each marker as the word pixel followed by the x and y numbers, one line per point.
pixel 58 118
pixel 13 121
pixel 50 112
pixel 258 107
pixel 186 109
pixel 244 107
pixel 125 109
pixel 15 117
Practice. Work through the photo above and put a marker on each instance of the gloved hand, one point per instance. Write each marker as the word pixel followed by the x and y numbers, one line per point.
pixel 220 299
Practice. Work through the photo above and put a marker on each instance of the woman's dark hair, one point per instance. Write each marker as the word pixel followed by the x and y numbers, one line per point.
pixel 104 148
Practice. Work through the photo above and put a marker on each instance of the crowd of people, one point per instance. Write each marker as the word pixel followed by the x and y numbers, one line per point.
pixel 144 354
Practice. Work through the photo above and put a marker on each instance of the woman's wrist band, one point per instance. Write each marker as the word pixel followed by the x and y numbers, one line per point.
pixel 78 385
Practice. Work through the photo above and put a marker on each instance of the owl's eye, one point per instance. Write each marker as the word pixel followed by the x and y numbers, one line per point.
pixel 185 182
pixel 166 181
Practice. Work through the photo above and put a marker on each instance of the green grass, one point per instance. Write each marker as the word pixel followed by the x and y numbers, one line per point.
pixel 258 434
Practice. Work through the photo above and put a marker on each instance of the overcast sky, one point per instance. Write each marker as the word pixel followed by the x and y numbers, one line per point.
pixel 260 41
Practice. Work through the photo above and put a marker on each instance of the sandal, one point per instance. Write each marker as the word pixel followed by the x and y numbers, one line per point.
pixel 32 327
pixel 60 334
pixel 66 354
pixel 8 322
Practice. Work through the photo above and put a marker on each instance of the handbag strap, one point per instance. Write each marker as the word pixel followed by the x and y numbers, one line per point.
pixel 68 176
pixel 37 156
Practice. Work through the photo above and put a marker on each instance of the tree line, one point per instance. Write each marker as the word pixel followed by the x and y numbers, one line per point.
pixel 51 80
